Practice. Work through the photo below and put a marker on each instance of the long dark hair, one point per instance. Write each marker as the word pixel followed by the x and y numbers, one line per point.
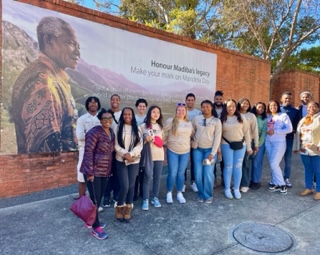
pixel 224 113
pixel 241 101
pixel 254 110
pixel 147 120
pixel 278 106
pixel 135 136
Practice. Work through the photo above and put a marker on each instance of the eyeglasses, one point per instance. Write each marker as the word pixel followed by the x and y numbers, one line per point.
pixel 107 118
pixel 204 122
pixel 181 104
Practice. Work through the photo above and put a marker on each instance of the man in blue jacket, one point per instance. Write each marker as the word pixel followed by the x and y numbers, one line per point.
pixel 293 114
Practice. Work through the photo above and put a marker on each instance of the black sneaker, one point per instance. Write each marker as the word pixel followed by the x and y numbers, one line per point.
pixel 271 184
pixel 256 185
pixel 106 202
pixel 283 189
pixel 274 188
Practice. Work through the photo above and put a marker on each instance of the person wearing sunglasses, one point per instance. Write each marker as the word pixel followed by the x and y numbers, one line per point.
pixel 178 133
pixel 207 137
pixel 97 162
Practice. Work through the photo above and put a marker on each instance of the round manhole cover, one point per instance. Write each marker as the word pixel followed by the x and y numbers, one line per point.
pixel 262 237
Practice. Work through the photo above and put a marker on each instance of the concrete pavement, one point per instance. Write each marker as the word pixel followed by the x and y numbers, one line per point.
pixel 42 223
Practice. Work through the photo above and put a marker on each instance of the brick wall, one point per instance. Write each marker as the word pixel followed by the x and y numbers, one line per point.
pixel 238 75
pixel 296 81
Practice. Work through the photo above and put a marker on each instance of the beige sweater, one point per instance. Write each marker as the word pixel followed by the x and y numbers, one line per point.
pixel 179 143
pixel 208 136
pixel 234 131
pixel 253 127
pixel 156 152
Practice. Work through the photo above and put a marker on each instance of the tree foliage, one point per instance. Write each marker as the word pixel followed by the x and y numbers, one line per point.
pixel 273 30
pixel 306 60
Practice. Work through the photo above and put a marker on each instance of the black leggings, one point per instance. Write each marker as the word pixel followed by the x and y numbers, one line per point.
pixel 191 169
pixel 98 185
pixel 127 177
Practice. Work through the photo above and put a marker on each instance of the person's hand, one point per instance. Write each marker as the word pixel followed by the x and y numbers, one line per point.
pixel 90 178
pixel 149 138
pixel 210 157
pixel 270 132
pixel 127 156
pixel 249 152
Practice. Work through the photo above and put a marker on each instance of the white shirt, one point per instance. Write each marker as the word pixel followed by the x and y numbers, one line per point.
pixel 84 124
pixel 117 117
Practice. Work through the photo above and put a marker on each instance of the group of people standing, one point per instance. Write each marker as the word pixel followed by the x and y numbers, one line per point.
pixel 127 150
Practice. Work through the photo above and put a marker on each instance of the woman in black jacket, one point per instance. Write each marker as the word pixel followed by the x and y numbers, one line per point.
pixel 96 164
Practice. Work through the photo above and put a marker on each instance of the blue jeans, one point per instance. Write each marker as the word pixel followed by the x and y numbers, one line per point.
pixel 203 173
pixel 232 165
pixel 287 159
pixel 257 164
pixel 275 151
pixel 311 167
pixel 177 164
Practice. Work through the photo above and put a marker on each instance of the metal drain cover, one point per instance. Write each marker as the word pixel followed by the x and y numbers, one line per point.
pixel 262 237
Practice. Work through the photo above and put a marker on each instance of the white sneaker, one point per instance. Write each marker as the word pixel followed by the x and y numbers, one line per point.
pixel 183 188
pixel 194 187
pixel 169 199
pixel 244 189
pixel 181 198
pixel 100 209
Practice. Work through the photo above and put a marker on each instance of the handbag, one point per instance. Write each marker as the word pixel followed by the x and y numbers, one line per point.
pixel 235 145
pixel 85 209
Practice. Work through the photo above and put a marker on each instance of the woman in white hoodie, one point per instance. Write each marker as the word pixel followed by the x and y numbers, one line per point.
pixel 278 125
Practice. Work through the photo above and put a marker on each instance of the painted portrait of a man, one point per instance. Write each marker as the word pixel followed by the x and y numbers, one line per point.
pixel 43 108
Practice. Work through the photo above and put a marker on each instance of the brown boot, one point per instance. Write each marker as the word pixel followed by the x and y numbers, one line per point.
pixel 119 212
pixel 316 196
pixel 306 192
pixel 127 212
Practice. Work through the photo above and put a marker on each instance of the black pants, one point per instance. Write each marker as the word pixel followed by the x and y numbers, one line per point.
pixel 191 168
pixel 138 187
pixel 113 183
pixel 215 169
pixel 96 189
pixel 127 177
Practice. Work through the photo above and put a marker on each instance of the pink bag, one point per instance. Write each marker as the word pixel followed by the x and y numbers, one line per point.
pixel 158 141
pixel 85 210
